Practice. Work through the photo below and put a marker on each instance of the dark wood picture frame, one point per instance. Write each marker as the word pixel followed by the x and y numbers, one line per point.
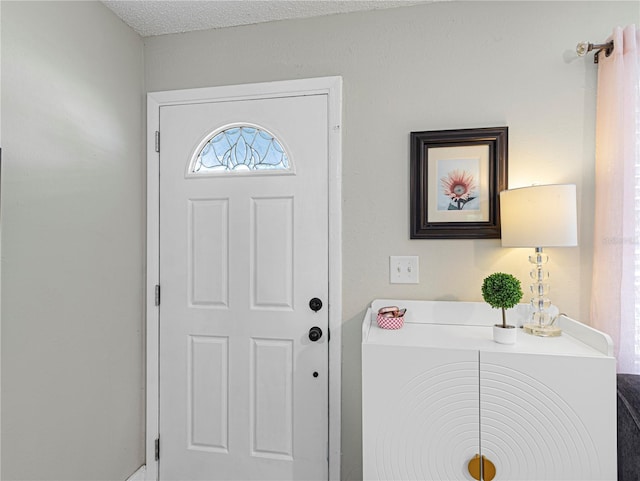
pixel 476 158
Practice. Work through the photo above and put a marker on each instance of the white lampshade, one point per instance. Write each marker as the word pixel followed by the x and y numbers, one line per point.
pixel 539 216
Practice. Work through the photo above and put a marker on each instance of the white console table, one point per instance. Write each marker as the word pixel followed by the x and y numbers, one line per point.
pixel 439 393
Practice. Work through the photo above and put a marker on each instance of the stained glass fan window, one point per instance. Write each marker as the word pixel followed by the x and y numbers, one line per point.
pixel 238 149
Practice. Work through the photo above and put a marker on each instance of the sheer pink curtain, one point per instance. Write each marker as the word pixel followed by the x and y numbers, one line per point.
pixel 615 294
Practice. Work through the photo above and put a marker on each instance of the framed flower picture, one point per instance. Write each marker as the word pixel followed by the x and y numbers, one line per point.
pixel 456 178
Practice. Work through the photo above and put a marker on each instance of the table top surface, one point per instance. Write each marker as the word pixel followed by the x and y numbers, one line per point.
pixel 469 325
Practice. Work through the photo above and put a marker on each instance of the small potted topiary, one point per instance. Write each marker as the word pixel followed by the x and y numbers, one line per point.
pixel 502 291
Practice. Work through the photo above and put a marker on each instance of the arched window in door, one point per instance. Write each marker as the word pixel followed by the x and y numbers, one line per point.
pixel 240 148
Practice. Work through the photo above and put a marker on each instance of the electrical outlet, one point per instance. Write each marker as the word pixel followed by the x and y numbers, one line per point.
pixel 403 269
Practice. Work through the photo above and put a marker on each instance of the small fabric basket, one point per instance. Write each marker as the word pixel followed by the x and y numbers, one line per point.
pixel 390 322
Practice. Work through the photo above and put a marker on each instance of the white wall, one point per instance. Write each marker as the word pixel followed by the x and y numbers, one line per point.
pixel 73 195
pixel 72 243
pixel 438 66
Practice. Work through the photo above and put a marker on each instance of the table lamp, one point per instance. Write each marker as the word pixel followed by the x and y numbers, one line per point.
pixel 539 216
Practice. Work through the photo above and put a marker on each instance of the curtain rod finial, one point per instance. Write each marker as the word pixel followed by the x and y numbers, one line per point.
pixel 583 48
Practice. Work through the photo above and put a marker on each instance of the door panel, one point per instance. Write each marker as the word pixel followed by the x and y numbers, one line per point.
pixel 209 280
pixel 272 398
pixel 241 254
pixel 271 252
pixel 207 407
pixel 533 427
pixel 430 427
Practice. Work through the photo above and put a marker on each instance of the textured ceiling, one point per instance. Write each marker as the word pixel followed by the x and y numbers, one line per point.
pixel 159 17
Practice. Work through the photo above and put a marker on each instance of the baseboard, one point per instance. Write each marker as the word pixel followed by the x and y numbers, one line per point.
pixel 139 474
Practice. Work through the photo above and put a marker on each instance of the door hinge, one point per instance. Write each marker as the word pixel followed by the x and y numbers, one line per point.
pixel 157 141
pixel 157 294
pixel 157 449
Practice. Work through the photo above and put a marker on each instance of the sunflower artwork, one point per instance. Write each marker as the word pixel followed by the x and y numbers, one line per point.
pixel 459 187
pixel 456 177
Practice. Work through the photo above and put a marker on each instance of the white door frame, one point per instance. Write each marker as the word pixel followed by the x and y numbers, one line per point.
pixel 332 87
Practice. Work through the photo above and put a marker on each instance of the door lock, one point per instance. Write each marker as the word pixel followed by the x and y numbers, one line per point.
pixel 315 333
pixel 315 304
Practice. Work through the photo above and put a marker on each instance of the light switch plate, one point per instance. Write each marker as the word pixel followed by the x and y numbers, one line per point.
pixel 403 269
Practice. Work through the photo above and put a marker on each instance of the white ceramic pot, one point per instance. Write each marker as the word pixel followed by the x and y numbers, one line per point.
pixel 504 335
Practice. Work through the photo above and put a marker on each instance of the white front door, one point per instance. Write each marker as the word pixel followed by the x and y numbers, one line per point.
pixel 243 388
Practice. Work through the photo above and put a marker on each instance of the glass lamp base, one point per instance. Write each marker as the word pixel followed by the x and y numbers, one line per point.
pixel 542 330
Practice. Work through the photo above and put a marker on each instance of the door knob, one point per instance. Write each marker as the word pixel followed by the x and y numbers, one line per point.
pixel 481 468
pixel 315 304
pixel 315 333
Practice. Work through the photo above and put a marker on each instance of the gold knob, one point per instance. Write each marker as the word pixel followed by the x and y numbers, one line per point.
pixel 488 469
pixel 474 467
pixel 480 468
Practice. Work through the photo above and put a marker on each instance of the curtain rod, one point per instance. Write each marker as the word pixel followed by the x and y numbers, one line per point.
pixel 585 47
